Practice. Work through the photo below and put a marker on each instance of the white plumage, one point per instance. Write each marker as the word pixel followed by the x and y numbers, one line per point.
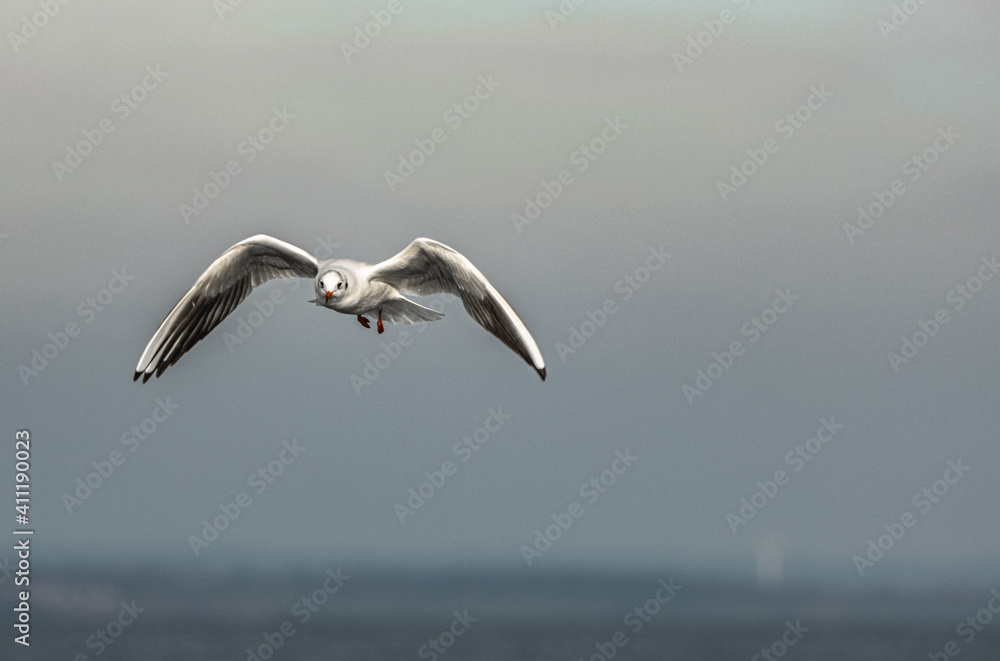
pixel 424 267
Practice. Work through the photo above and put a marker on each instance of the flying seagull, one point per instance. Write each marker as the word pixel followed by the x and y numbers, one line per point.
pixel 423 268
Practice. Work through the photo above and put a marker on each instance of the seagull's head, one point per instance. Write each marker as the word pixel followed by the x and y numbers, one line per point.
pixel 330 286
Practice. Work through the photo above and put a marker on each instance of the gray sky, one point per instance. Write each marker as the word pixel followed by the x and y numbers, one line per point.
pixel 822 107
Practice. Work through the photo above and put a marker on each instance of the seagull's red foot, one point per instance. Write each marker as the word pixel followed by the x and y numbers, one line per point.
pixel 363 321
pixel 381 329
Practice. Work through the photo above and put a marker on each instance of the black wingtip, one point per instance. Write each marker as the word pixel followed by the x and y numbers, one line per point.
pixel 541 372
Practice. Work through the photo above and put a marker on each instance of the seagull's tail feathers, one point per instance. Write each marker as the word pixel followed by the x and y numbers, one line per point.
pixel 404 311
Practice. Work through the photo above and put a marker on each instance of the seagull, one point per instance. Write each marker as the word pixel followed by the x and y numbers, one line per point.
pixel 423 268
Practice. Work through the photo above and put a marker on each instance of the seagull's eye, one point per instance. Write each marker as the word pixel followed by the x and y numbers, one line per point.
pixel 339 284
pixel 321 285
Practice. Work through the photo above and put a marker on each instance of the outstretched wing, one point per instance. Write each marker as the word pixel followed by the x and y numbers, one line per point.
pixel 428 267
pixel 217 292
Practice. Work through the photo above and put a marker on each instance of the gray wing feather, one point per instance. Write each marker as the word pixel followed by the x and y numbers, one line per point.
pixel 404 311
pixel 428 267
pixel 218 291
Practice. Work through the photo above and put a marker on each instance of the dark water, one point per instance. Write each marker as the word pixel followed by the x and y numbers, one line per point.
pixel 319 614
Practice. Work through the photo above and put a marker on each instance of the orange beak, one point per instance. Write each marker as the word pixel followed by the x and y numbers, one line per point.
pixel 328 295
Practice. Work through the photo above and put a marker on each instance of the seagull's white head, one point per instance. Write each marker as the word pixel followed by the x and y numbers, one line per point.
pixel 330 286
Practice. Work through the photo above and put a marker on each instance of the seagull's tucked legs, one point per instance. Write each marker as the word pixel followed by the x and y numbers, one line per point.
pixel 380 328
pixel 363 321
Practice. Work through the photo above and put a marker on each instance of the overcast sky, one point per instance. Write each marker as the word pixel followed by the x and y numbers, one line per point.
pixel 710 152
